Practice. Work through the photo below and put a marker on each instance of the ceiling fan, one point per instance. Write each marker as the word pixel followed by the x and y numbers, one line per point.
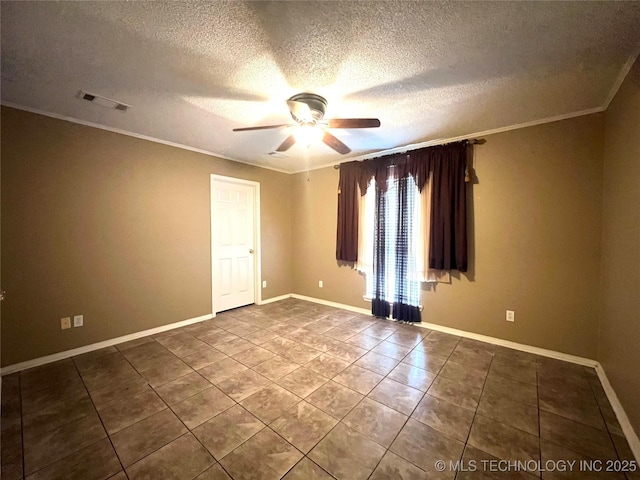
pixel 307 109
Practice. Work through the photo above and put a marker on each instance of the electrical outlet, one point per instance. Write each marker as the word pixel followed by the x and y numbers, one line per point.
pixel 320 284
pixel 78 320
pixel 511 316
pixel 264 284
pixel 65 323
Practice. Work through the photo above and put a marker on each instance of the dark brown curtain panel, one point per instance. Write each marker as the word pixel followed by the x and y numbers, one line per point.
pixel 347 234
pixel 445 164
pixel 448 241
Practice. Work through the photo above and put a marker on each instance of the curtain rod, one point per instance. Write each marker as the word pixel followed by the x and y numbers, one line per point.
pixel 470 141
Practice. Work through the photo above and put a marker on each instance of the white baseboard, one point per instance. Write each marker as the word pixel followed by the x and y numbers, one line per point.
pixel 36 362
pixel 332 304
pixel 275 299
pixel 621 415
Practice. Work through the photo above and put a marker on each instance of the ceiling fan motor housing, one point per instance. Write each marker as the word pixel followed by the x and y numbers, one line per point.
pixel 316 103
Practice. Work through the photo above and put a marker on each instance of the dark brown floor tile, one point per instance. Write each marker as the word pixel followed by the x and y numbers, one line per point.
pixel 611 420
pixel 347 454
pixel 146 436
pixel 122 374
pixel 182 387
pixel 217 337
pixel 98 359
pixel 553 454
pixel 243 384
pixel 201 407
pixel 11 470
pixel 519 391
pixel 381 330
pixel 502 441
pixel 479 465
pixel 375 421
pixel 182 458
pixel 422 446
pixel 270 402
pixel 203 358
pixel 133 343
pixel 340 333
pixel 94 462
pixel 301 354
pixel 226 431
pixel 260 337
pixel 219 371
pixel 189 347
pixel 363 341
pixel 510 353
pixel 346 352
pixel 148 355
pixel 253 356
pixel 507 411
pixel 393 467
pixel 467 356
pixel 408 338
pixel 58 414
pixel 303 426
pixel 215 472
pixel 463 374
pixel 111 394
pixel 412 376
pixel 425 360
pixel 47 375
pixel 126 412
pixel 359 379
pixel 461 394
pixel 377 363
pixel 305 469
pixel 302 382
pixel 438 344
pixel 276 368
pixel 264 456
pixel 589 441
pixel 327 365
pixel 47 447
pixel 166 372
pixel 390 349
pixel 581 408
pixel 334 399
pixel 234 346
pixel 523 371
pixel 36 400
pixel 396 395
pixel 445 417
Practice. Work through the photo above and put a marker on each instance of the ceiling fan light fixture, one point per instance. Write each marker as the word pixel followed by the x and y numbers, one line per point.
pixel 308 135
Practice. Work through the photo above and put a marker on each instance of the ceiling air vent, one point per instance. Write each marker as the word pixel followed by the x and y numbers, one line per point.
pixel 103 101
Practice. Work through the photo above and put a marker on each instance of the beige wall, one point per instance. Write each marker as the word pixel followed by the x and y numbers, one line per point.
pixel 114 228
pixel 619 339
pixel 534 240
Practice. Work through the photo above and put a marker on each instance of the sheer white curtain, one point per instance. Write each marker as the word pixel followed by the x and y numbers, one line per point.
pixel 419 242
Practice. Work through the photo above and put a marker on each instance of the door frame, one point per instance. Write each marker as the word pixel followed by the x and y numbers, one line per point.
pixel 257 245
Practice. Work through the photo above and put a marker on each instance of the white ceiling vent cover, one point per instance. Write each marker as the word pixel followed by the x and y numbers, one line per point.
pixel 103 101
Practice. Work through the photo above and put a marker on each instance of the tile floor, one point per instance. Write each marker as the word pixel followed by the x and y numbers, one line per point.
pixel 303 391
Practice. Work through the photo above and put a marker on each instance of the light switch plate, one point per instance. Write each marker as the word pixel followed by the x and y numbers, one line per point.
pixel 65 323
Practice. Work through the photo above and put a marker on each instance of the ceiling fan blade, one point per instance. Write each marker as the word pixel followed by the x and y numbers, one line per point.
pixel 300 111
pixel 353 123
pixel 287 144
pixel 334 143
pixel 264 127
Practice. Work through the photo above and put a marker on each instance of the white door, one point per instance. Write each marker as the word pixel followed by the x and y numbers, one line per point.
pixel 232 243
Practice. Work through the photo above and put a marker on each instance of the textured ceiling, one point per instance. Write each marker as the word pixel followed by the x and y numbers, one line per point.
pixel 427 70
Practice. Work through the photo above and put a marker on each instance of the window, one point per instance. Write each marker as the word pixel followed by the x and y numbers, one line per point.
pixel 395 234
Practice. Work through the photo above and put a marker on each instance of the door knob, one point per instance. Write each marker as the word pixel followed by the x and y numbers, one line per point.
pixel 251 250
